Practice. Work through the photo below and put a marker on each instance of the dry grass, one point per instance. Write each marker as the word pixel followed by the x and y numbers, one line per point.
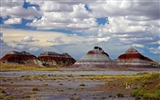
pixel 19 67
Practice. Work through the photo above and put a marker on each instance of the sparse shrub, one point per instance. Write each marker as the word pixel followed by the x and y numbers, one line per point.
pixel 11 82
pixel 82 84
pixel 150 96
pixel 158 86
pixel 27 77
pixel 9 98
pixel 155 75
pixel 120 95
pixel 1 96
pixel 45 84
pixel 35 89
pixel 138 92
pixel 27 96
pixel 158 93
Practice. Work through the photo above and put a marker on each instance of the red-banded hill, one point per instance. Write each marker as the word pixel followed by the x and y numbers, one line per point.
pixel 133 57
pixel 96 58
pixel 53 59
pixel 20 58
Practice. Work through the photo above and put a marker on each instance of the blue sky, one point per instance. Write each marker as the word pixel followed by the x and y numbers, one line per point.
pixel 77 26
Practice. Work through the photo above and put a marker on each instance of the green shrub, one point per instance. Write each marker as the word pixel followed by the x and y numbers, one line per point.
pixel 138 92
pixel 1 96
pixel 158 93
pixel 120 95
pixel 155 76
pixel 158 86
pixel 151 96
pixel 82 84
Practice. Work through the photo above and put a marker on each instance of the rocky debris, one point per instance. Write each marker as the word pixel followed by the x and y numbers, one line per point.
pixel 95 58
pixel 133 57
pixel 20 58
pixel 53 59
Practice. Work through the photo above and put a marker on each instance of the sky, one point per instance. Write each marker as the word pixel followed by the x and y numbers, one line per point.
pixel 76 26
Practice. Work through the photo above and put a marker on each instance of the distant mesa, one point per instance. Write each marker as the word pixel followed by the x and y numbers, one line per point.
pixel 134 58
pixel 44 59
pixel 20 58
pixel 95 58
pixel 53 59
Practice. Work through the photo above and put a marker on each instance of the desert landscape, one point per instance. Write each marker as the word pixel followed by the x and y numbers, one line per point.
pixel 79 49
pixel 94 77
pixel 85 85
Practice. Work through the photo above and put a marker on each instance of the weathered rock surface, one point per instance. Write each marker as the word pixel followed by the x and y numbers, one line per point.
pixel 133 57
pixel 20 58
pixel 53 59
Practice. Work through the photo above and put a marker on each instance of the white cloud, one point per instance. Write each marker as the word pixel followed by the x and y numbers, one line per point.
pixel 156 42
pixel 124 8
pixel 33 49
pixel 51 6
pixel 15 10
pixel 79 11
pixel 29 39
pixel 138 45
pixel 121 35
pixel 17 45
pixel 155 50
pixel 104 39
pixel 13 21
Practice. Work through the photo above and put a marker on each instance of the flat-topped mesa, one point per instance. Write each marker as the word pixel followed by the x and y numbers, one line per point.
pixel 133 57
pixel 95 58
pixel 20 58
pixel 54 59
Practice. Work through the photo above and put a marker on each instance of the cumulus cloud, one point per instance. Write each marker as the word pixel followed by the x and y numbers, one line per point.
pixel 19 12
pixel 33 49
pixel 138 45
pixel 17 45
pixel 125 8
pixel 51 6
pixel 104 39
pixel 29 39
pixel 13 21
pixel 155 50
pixel 16 12
pixel 63 16
pixel 57 40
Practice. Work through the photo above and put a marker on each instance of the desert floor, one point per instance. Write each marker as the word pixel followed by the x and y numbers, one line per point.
pixel 71 86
